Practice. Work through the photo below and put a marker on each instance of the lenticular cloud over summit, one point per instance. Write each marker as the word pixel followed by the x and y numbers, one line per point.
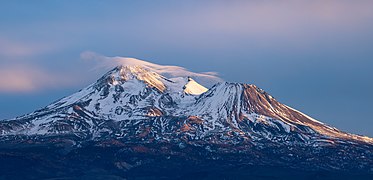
pixel 207 79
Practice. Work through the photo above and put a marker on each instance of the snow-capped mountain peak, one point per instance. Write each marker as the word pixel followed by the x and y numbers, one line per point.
pixel 124 73
pixel 207 79
pixel 128 94
pixel 138 112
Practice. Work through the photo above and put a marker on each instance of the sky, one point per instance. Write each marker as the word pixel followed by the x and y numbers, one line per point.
pixel 315 56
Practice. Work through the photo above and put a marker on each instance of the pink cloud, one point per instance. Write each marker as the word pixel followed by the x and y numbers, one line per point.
pixel 29 79
pixel 260 20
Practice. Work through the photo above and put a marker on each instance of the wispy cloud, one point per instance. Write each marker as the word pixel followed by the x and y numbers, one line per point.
pixel 19 72
pixel 16 49
pixel 265 17
pixel 26 78
pixel 206 78
pixel 29 79
pixel 258 23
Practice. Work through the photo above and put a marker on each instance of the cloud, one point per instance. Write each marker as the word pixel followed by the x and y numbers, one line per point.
pixel 29 79
pixel 205 78
pixel 15 49
pixel 21 71
pixel 258 23
pixel 271 16
pixel 20 77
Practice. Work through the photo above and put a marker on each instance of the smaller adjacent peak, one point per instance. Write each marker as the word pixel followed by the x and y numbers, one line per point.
pixel 193 88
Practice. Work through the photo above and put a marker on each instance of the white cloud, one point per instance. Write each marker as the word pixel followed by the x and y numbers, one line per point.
pixel 206 78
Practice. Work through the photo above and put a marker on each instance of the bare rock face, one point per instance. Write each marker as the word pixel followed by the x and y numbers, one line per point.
pixel 143 119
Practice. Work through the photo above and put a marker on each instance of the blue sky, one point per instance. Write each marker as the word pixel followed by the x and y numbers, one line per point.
pixel 316 56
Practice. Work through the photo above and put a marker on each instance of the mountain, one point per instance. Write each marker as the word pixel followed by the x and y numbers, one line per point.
pixel 151 125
